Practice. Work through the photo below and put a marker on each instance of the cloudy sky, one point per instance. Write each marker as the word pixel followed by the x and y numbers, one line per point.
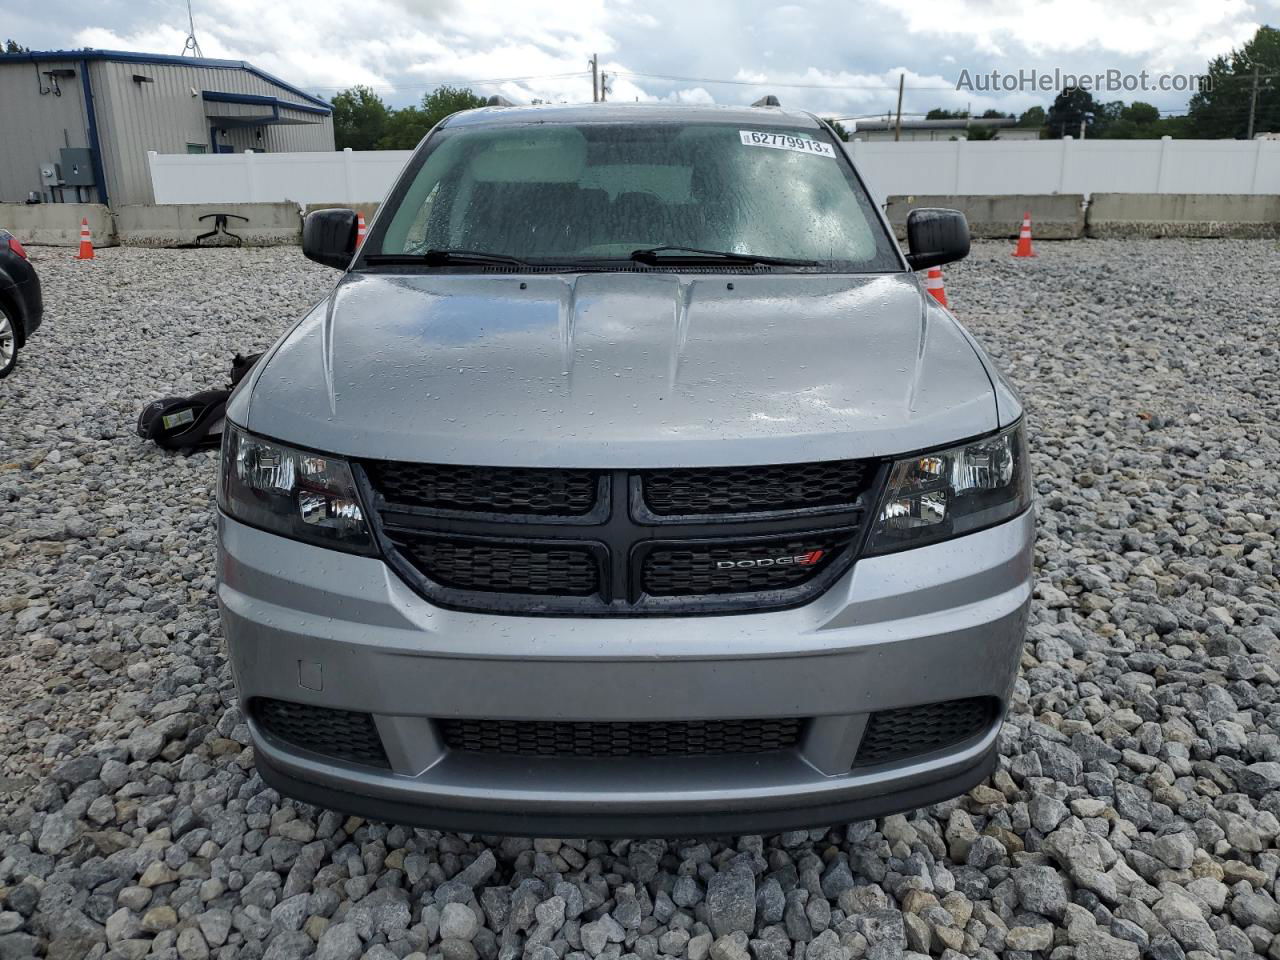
pixel 838 59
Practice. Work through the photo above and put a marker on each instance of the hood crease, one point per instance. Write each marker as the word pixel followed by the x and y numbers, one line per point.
pixel 623 370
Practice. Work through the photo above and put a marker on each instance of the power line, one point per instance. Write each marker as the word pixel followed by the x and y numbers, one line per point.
pixel 773 83
pixel 472 83
pixel 879 116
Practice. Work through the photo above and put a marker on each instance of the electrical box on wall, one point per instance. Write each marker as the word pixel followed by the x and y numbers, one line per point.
pixel 50 175
pixel 77 166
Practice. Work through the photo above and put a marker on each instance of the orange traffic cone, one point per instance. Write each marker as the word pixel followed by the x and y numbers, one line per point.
pixel 1024 238
pixel 86 241
pixel 933 283
pixel 360 230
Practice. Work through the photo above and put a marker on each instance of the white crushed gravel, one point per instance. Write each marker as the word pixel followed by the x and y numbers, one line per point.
pixel 1134 812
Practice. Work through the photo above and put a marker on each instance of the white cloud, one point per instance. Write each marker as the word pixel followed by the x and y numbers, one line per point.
pixel 1065 26
pixel 846 59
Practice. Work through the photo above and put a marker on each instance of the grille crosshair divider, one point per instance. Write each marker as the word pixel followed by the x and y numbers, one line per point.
pixel 622 531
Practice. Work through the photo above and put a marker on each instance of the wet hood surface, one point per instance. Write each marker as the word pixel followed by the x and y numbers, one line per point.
pixel 622 370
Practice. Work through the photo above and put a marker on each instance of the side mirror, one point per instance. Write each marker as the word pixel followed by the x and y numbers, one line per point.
pixel 329 237
pixel 936 236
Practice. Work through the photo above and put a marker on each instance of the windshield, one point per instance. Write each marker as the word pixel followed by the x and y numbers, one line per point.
pixel 598 192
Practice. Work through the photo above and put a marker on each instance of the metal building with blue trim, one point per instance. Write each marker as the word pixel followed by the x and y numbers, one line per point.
pixel 78 123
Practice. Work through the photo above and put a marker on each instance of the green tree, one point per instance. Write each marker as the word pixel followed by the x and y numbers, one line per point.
pixel 1105 116
pixel 1176 127
pixel 442 101
pixel 13 46
pixel 1139 121
pixel 937 113
pixel 839 129
pixel 1032 117
pixel 359 119
pixel 1069 110
pixel 1221 108
pixel 974 132
pixel 997 115
pixel 406 127
pixel 1140 113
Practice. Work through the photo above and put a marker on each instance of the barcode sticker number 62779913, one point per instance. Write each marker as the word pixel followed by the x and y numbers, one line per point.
pixel 786 141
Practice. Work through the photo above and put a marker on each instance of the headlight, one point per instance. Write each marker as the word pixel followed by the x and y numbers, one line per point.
pixel 295 493
pixel 947 493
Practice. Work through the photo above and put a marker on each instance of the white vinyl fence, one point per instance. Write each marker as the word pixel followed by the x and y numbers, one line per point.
pixel 988 167
pixel 343 176
pixel 997 167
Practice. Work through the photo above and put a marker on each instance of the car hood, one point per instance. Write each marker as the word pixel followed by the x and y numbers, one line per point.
pixel 621 370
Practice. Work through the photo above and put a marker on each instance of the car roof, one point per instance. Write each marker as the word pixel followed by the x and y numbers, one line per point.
pixel 634 113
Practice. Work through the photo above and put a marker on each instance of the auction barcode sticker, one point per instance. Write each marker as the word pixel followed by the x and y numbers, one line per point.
pixel 786 141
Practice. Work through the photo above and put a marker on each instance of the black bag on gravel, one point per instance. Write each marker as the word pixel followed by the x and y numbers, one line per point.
pixel 195 422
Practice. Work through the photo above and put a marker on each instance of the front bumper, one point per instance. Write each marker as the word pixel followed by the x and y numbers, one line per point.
pixel 323 628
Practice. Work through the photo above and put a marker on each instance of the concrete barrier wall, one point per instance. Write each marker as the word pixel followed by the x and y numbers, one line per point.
pixel 57 224
pixel 1183 215
pixel 176 225
pixel 1053 216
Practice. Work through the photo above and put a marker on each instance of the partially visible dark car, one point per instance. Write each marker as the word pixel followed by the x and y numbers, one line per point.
pixel 21 305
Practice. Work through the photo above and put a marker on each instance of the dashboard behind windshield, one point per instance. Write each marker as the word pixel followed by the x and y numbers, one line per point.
pixel 585 193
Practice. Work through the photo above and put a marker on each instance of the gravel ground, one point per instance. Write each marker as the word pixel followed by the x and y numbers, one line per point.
pixel 1134 812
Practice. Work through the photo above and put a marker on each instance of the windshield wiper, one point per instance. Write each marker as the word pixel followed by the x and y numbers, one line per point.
pixel 653 255
pixel 447 258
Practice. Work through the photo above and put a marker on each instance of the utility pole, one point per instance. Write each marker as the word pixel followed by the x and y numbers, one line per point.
pixel 1253 96
pixel 595 78
pixel 897 129
pixel 1253 101
pixel 604 87
pixel 192 45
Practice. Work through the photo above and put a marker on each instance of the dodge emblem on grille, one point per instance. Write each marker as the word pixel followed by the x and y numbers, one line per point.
pixel 800 560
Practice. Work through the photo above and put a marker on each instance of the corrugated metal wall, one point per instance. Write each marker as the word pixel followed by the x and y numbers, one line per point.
pixel 133 118
pixel 163 116
pixel 33 126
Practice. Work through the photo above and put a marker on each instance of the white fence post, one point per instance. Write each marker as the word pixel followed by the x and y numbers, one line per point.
pixel 1164 153
pixel 1065 149
pixel 1257 165
pixel 251 174
pixel 346 173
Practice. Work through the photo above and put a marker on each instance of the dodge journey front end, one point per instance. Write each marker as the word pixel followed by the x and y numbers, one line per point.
pixel 627 482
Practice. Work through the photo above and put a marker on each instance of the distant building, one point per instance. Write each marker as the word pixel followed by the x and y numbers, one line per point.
pixel 77 124
pixel 949 129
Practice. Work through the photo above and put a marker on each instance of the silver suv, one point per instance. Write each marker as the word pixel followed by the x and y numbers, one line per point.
pixel 627 482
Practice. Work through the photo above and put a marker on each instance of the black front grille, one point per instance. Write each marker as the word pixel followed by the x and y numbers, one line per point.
pixel 502 490
pixel 603 542
pixel 515 568
pixel 718 568
pixel 730 490
pixel 342 734
pixel 671 738
pixel 911 731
